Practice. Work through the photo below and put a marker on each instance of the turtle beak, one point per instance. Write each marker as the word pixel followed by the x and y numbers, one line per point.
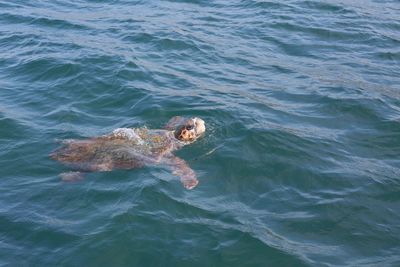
pixel 200 127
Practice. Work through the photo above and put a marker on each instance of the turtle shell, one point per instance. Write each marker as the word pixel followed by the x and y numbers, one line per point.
pixel 125 148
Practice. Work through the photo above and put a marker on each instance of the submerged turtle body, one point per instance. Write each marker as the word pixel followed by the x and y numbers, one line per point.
pixel 128 148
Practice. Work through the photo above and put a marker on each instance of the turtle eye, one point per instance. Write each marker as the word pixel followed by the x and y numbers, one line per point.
pixel 189 127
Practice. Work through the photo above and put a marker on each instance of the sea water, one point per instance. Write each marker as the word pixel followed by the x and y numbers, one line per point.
pixel 300 163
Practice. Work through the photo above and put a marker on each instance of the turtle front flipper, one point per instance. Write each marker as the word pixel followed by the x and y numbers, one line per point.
pixel 181 168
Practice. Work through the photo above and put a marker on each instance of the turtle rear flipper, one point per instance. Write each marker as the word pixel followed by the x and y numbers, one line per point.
pixel 72 176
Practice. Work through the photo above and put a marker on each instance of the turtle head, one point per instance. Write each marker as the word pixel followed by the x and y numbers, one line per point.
pixel 190 130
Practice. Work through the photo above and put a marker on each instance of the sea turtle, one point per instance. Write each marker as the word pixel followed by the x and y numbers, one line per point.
pixel 128 148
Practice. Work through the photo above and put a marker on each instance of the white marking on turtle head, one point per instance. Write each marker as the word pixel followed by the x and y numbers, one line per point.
pixel 191 130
